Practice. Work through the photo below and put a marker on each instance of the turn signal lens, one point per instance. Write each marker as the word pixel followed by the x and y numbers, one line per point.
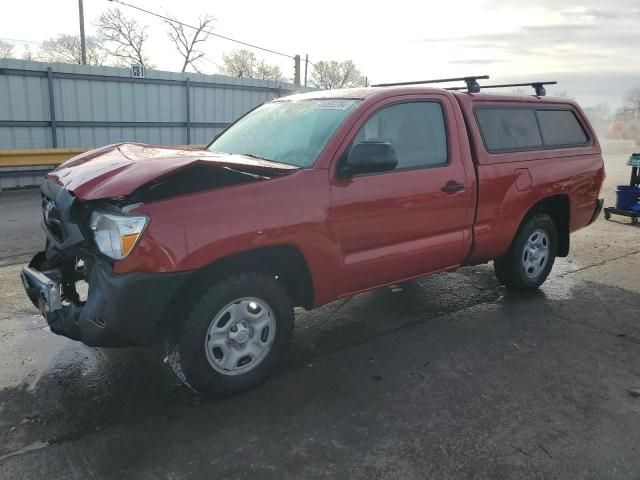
pixel 128 242
pixel 116 235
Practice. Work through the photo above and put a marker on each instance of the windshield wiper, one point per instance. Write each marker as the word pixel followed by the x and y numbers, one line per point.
pixel 258 157
pixel 251 174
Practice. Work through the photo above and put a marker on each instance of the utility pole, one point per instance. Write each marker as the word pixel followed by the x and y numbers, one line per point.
pixel 306 66
pixel 83 45
pixel 296 71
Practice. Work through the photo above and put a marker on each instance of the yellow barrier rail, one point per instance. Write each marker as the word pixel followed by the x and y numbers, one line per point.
pixel 37 157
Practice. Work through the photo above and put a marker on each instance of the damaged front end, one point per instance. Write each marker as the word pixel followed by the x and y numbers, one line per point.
pixel 116 309
pixel 89 206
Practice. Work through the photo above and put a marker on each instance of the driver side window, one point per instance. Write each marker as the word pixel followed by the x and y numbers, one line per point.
pixel 416 130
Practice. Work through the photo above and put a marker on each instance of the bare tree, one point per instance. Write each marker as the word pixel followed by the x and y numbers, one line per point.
pixel 632 100
pixel 123 38
pixel 243 63
pixel 332 74
pixel 264 71
pixel 239 63
pixel 67 49
pixel 186 42
pixel 27 54
pixel 6 50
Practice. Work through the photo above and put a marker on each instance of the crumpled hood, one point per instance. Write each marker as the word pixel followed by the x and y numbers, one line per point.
pixel 120 169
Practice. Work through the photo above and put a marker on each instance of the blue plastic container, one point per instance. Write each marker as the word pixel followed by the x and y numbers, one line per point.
pixel 626 197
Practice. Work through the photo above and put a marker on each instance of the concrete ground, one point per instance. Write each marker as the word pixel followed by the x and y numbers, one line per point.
pixel 20 233
pixel 451 377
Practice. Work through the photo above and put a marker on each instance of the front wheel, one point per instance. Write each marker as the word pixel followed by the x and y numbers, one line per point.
pixel 234 336
pixel 530 258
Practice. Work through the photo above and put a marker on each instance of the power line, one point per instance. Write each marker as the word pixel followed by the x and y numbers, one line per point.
pixel 210 61
pixel 292 57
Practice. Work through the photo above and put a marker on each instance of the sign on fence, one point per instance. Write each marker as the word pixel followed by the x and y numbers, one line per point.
pixel 137 70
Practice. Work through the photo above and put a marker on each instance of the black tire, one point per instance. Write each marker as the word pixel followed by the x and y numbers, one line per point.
pixel 510 270
pixel 607 216
pixel 187 355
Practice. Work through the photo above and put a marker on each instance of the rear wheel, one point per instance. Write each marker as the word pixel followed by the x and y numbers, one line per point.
pixel 234 336
pixel 530 258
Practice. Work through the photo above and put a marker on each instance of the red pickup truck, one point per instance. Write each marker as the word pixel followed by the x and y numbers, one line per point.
pixel 304 200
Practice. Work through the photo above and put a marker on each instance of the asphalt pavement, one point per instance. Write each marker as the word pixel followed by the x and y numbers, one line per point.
pixel 449 377
pixel 20 231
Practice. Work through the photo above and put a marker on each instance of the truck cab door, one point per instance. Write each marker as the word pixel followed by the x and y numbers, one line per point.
pixel 414 219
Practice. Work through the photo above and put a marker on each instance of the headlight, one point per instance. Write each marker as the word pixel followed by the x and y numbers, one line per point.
pixel 116 235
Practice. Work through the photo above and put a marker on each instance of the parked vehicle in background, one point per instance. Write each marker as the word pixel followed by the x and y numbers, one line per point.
pixel 304 200
pixel 626 126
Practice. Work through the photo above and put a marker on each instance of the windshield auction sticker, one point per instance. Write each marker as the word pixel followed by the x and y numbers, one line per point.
pixel 335 104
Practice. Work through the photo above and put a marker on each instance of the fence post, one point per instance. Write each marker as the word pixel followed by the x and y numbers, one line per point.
pixel 187 85
pixel 52 109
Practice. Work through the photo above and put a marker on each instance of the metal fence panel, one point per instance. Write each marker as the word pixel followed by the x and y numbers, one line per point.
pixel 20 98
pixel 25 137
pixel 94 106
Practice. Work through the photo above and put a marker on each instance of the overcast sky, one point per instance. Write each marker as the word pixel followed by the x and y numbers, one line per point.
pixel 591 46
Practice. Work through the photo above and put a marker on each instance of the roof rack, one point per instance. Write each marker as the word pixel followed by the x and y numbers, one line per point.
pixel 537 86
pixel 472 82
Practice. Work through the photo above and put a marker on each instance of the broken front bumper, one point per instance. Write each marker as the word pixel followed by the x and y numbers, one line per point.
pixel 120 309
pixel 43 291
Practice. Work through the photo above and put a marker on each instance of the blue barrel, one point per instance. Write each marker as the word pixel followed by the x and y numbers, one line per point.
pixel 626 197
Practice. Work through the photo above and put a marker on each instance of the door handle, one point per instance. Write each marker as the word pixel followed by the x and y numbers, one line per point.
pixel 453 187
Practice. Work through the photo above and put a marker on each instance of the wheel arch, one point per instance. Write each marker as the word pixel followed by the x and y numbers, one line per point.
pixel 558 208
pixel 286 262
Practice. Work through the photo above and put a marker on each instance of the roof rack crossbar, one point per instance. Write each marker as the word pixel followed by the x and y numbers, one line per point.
pixel 537 86
pixel 471 81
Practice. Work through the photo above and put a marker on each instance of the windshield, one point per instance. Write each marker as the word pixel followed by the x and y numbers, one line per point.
pixel 292 132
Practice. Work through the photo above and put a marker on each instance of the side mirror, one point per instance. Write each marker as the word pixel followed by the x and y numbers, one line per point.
pixel 369 157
